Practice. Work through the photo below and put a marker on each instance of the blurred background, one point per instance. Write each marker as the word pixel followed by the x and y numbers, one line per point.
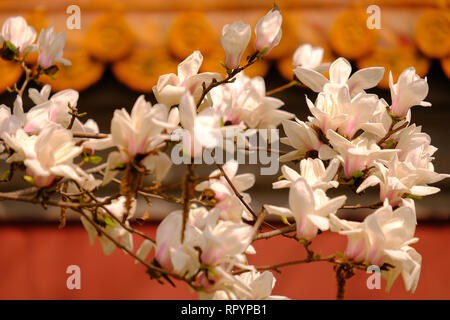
pixel 119 52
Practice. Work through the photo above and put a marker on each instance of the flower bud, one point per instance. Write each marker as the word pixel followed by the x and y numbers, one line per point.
pixel 268 31
pixel 235 38
pixel 410 90
pixel 51 47
pixel 18 33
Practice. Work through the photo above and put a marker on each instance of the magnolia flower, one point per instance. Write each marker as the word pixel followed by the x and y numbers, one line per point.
pixel 138 133
pixel 235 38
pixel 380 122
pixel 309 57
pixel 200 130
pixel 358 111
pixel 310 208
pixel 10 123
pixel 229 205
pixel 51 48
pixel 56 109
pixel 410 90
pixel 401 178
pixel 39 97
pixel 326 111
pixel 224 239
pixel 259 287
pixel 268 31
pixel 340 71
pixel 111 227
pixel 19 33
pixel 384 237
pixel 356 155
pixel 47 155
pixel 301 137
pixel 313 171
pixel 171 87
pixel 411 138
pixel 244 102
pixel 47 112
pixel 170 252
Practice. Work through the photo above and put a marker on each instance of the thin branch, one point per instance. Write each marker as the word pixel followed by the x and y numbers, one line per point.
pixel 90 135
pixel 375 205
pixel 228 79
pixel 391 131
pixel 131 253
pixel 236 192
pixel 186 196
pixel 123 225
pixel 283 87
pixel 276 232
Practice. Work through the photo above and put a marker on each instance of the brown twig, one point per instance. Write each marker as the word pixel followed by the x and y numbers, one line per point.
pixel 186 196
pixel 375 205
pixel 251 60
pixel 283 87
pixel 276 232
pixel 90 135
pixel 391 131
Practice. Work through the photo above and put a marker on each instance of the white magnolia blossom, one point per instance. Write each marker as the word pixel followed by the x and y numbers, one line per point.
pixel 110 226
pixel 340 71
pixel 235 39
pixel 309 57
pixel 136 134
pixel 47 111
pixel 19 33
pixel 302 137
pixel 171 87
pixel 355 155
pixel 170 252
pixel 200 130
pixel 310 208
pixel 335 109
pixel 222 240
pixel 385 236
pixel 51 47
pixel 268 31
pixel 313 171
pixel 229 205
pixel 410 90
pixel 402 178
pixel 47 156
pixel 259 287
pixel 219 242
pixel 245 101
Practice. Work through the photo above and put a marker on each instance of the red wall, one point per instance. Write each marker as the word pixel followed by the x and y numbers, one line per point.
pixel 33 262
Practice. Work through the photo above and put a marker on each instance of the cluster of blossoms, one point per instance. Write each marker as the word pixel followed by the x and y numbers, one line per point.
pixel 353 138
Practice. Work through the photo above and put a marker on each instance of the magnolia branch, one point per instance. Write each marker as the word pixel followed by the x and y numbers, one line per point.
pixel 230 78
pixel 283 87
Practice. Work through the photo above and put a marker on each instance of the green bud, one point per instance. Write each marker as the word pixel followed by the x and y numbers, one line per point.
pixel 95 159
pixel 28 179
pixel 357 174
pixel 109 222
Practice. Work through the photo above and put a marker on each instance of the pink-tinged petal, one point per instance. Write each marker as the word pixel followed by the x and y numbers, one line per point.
pixel 320 222
pixel 340 71
pixel 190 66
pixel 311 78
pixel 364 79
